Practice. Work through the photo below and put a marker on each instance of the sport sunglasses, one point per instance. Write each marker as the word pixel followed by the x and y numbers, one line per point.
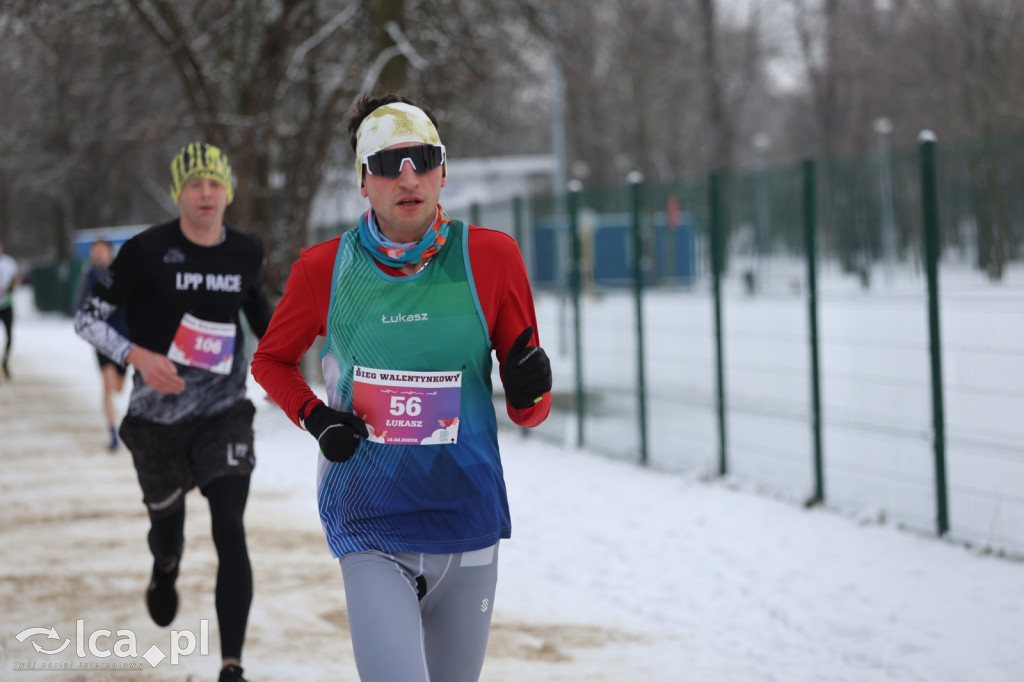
pixel 388 162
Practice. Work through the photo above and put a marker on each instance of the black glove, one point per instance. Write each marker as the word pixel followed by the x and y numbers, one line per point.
pixel 527 372
pixel 337 432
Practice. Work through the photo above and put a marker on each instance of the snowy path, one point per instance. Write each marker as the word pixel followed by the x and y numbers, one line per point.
pixel 613 573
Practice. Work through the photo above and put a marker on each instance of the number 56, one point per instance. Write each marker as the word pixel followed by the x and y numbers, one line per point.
pixel 409 406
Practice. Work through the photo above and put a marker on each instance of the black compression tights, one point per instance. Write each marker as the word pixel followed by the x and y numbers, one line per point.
pixel 7 318
pixel 227 497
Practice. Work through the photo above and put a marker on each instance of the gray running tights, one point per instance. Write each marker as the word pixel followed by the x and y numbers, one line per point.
pixel 420 617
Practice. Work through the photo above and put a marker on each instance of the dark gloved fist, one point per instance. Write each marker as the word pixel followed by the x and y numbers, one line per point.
pixel 527 372
pixel 339 433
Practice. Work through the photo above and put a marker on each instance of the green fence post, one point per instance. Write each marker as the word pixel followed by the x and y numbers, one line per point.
pixel 474 213
pixel 715 229
pixel 636 180
pixel 930 215
pixel 574 237
pixel 810 230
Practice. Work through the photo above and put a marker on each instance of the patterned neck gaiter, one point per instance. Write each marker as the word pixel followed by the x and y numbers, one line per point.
pixel 397 254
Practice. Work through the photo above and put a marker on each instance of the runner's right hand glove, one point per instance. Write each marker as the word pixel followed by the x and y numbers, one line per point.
pixel 338 433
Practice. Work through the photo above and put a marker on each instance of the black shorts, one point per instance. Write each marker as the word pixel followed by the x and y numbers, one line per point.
pixel 171 459
pixel 104 361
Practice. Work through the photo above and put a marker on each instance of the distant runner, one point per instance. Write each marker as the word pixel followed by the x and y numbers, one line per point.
pixel 101 254
pixel 9 279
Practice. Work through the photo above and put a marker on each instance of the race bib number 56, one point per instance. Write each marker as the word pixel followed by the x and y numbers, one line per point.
pixel 408 408
pixel 204 345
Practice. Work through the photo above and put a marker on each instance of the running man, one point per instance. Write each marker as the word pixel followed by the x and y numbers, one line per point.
pixel 411 490
pixel 189 422
pixel 9 279
pixel 101 254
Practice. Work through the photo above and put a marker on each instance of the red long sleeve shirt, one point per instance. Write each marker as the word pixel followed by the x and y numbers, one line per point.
pixel 301 316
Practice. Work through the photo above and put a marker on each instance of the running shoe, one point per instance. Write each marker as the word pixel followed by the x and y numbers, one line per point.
pixel 231 673
pixel 161 597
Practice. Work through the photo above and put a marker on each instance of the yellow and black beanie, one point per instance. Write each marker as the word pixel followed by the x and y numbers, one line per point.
pixel 200 160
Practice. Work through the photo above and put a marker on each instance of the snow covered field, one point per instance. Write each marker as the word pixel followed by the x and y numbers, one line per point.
pixel 613 572
pixel 875 381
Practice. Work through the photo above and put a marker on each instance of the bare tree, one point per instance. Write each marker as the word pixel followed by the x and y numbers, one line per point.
pixel 979 61
pixel 954 66
pixel 97 95
pixel 271 84
pixel 720 124
pixel 387 18
pixel 100 95
pixel 483 71
pixel 274 88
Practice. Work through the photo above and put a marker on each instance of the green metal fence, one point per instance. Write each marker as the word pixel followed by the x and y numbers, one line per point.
pixel 831 331
pixel 849 332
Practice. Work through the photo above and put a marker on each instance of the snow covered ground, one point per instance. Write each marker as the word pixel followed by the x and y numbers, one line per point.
pixel 613 572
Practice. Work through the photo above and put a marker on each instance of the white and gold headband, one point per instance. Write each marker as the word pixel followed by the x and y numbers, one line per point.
pixel 389 125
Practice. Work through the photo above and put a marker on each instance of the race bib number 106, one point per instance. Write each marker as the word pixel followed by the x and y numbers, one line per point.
pixel 204 345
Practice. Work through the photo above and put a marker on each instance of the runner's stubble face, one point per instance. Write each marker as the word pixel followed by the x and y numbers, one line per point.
pixel 404 206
